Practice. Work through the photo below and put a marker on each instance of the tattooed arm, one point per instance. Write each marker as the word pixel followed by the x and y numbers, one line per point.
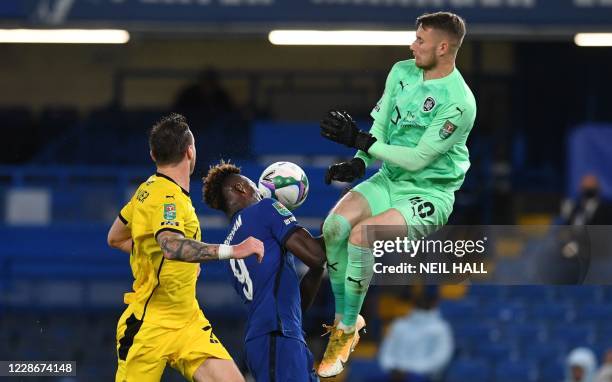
pixel 175 246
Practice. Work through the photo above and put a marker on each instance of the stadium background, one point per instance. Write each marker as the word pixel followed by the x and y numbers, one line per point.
pixel 74 121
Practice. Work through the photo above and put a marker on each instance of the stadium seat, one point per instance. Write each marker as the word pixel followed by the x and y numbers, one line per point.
pixel 494 352
pixel 513 371
pixel 543 352
pixel 361 369
pixel 574 335
pixel 458 311
pixel 462 370
pixel 553 371
pixel 579 293
pixel 504 312
pixel 468 335
pixel 271 138
pixel 551 311
pixel 594 313
pixel 523 333
pixel 486 292
pixel 529 292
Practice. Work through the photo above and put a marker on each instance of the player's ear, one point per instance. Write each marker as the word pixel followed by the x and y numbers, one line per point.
pixel 443 48
pixel 190 152
pixel 151 154
pixel 239 186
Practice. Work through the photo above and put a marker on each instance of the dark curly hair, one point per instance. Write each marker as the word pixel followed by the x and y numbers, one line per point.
pixel 213 182
pixel 169 139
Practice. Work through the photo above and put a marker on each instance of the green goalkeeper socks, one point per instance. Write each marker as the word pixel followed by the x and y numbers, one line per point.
pixel 336 231
pixel 359 273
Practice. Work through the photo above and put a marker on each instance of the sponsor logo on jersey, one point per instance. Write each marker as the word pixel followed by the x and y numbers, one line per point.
pixel 290 220
pixel 169 211
pixel 429 104
pixel 167 223
pixel 235 227
pixel 281 209
pixel 447 129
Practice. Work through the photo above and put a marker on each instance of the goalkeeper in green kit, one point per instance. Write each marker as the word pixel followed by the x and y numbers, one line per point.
pixel 420 129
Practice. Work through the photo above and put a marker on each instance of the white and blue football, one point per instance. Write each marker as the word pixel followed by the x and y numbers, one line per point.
pixel 285 182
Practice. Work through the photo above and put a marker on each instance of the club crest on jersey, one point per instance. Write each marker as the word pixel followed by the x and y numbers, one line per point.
pixel 169 211
pixel 447 129
pixel 281 209
pixel 429 104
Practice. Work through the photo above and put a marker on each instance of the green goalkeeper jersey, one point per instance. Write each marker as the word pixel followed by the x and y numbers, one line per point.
pixel 422 128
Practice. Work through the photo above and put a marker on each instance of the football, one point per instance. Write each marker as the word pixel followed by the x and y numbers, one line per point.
pixel 285 182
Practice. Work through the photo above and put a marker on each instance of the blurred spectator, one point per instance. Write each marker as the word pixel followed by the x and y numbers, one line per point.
pixel 418 346
pixel 222 130
pixel 206 96
pixel 605 372
pixel 568 260
pixel 590 208
pixel 581 366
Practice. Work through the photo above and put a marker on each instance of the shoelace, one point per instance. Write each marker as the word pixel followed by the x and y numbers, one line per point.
pixel 328 329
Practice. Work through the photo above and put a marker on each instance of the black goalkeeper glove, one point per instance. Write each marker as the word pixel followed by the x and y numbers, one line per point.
pixel 338 126
pixel 345 171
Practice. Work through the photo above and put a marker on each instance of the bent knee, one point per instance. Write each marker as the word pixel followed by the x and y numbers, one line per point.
pixel 357 235
pixel 336 229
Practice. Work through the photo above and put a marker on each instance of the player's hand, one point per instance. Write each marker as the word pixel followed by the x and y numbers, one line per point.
pixel 345 171
pixel 339 126
pixel 250 246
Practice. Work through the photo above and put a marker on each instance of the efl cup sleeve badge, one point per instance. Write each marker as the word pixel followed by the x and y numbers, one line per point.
pixel 447 129
pixel 429 104
pixel 169 211
pixel 281 209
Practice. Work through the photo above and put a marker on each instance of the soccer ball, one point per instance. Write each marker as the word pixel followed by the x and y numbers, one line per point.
pixel 285 182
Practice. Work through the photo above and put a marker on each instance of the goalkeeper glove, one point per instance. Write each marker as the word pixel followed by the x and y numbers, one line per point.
pixel 345 171
pixel 338 126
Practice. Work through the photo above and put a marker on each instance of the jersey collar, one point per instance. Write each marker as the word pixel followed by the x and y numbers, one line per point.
pixel 172 180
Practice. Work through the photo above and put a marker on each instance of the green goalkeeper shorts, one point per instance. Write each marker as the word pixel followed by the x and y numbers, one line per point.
pixel 424 212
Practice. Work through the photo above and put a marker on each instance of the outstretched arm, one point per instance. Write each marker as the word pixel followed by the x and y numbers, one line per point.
pixel 175 246
pixel 408 158
pixel 311 252
pixel 120 236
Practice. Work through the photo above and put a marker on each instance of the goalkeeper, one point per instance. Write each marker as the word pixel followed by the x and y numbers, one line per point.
pixel 420 129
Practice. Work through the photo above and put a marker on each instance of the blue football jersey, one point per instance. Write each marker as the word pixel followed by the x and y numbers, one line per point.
pixel 271 289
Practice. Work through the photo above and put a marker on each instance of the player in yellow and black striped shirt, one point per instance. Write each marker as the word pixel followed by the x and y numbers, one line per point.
pixel 163 323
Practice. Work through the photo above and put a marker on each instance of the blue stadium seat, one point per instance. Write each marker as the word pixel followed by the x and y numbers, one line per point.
pixel 594 312
pixel 474 333
pixel 543 352
pixel 458 311
pixel 513 371
pixel 574 335
pixel 553 371
pixel 274 138
pixel 360 369
pixel 462 370
pixel 551 311
pixel 486 292
pixel 523 333
pixel 494 352
pixel 505 312
pixel 579 293
pixel 529 292
pixel 605 333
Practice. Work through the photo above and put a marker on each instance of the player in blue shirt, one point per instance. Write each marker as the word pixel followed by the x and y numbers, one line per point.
pixel 275 347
